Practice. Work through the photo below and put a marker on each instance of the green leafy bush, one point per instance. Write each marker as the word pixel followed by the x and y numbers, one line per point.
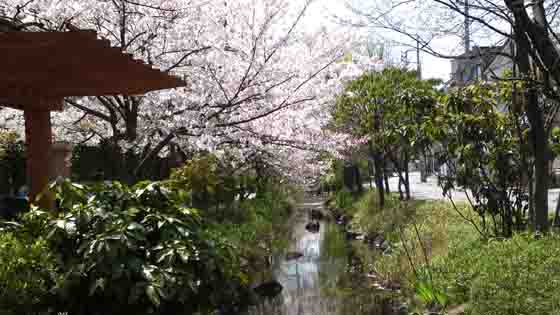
pixel 209 181
pixel 26 273
pixel 138 249
pixel 263 230
pixel 485 149
pixel 343 199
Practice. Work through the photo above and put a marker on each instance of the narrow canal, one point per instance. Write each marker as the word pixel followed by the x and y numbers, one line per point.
pixel 326 279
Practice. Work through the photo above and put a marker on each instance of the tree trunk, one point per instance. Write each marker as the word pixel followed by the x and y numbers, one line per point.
pixel 386 177
pixel 258 180
pixel 406 176
pixel 401 195
pixel 400 170
pixel 370 174
pixel 379 165
pixel 531 185
pixel 424 169
pixel 538 136
pixel 541 179
pixel 348 178
pixel 358 178
pixel 153 153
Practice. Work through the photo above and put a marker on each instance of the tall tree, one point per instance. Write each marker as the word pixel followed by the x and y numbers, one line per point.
pixel 530 25
pixel 253 74
pixel 387 107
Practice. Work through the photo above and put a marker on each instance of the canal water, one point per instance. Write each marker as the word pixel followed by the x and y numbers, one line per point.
pixel 324 280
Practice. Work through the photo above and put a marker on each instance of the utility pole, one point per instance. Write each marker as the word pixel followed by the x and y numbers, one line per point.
pixel 467 35
pixel 423 159
pixel 418 63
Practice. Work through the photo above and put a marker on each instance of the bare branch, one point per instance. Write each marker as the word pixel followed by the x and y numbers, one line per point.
pixel 90 111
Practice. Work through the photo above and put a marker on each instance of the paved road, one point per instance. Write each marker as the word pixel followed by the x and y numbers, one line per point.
pixel 431 191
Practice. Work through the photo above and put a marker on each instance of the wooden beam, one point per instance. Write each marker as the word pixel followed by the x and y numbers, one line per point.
pixel 73 64
pixel 90 89
pixel 32 103
pixel 38 137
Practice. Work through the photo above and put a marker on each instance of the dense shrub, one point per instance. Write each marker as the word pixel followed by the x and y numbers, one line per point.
pixel 26 273
pixel 211 183
pixel 343 199
pixel 263 230
pixel 136 249
pixel 514 276
pixel 186 245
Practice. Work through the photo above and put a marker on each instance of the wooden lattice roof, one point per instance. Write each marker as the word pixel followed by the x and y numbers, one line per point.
pixel 38 69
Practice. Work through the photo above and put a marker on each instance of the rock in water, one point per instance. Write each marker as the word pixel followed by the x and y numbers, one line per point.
pixel 313 226
pixel 268 289
pixel 293 255
pixel 371 237
pixel 316 215
pixel 350 235
pixel 343 220
pixel 383 246
pixel 245 298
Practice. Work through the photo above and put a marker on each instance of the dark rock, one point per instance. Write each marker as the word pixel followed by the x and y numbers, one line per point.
pixel 401 310
pixel 246 297
pixel 371 237
pixel 383 246
pixel 335 213
pixel 313 226
pixel 388 251
pixel 316 214
pixel 343 220
pixel 293 255
pixel 268 289
pixel 391 285
pixel 244 262
pixel 350 235
pixel 355 265
pixel 378 241
pixel 232 309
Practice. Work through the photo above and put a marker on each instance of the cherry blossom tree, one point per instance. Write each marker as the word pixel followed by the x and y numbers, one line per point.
pixel 258 82
pixel 237 57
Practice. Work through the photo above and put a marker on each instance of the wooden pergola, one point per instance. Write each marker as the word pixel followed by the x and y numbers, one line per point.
pixel 39 69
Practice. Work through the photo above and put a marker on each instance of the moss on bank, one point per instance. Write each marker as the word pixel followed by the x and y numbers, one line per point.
pixel 439 259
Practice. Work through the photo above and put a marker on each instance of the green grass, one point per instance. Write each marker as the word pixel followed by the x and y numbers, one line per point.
pixel 520 275
pixel 434 248
pixel 334 243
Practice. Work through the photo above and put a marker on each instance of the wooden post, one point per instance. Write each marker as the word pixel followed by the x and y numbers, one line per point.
pixel 38 137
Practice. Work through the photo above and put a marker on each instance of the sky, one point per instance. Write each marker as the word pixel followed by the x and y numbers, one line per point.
pixel 325 13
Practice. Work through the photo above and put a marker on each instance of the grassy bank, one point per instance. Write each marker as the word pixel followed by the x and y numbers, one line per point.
pixel 261 231
pixel 440 261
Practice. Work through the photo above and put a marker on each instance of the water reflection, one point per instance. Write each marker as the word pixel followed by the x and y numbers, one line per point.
pixel 302 273
pixel 319 283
